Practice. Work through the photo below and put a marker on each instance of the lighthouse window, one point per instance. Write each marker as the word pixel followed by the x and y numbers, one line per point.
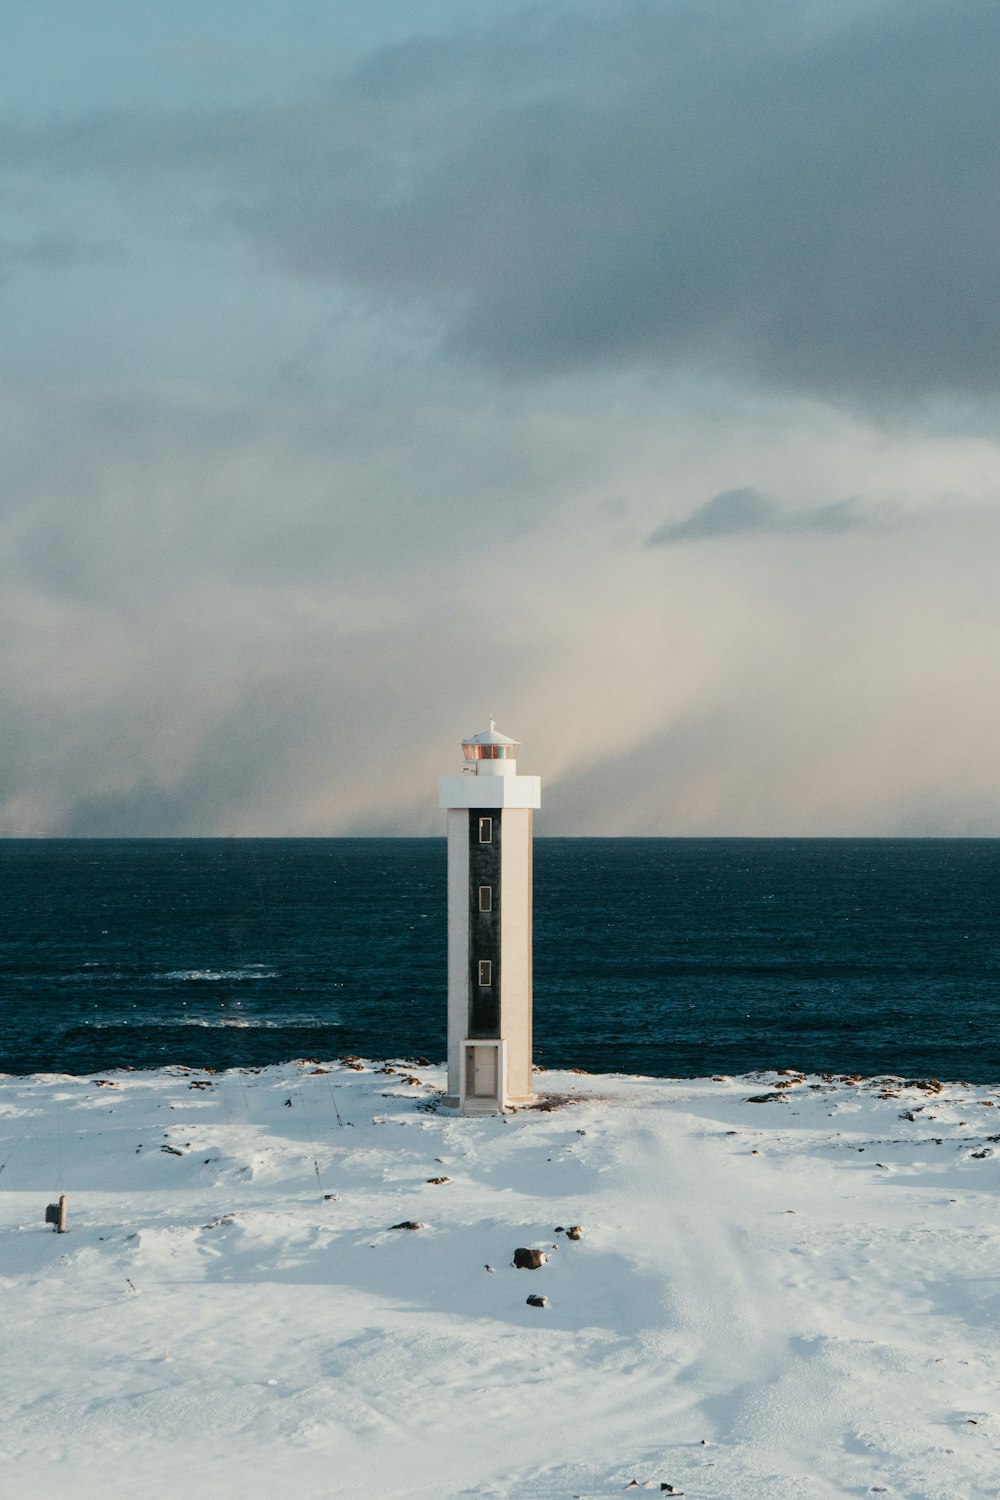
pixel 486 830
pixel 485 898
pixel 485 971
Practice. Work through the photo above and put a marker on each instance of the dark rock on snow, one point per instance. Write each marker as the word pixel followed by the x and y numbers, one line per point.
pixel 529 1260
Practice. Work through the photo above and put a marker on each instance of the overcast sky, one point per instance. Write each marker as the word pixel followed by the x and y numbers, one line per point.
pixel 628 372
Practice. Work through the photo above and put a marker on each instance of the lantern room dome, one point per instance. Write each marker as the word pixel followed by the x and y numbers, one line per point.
pixel 490 744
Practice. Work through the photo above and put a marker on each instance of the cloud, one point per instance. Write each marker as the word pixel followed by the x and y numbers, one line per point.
pixel 218 614
pixel 332 502
pixel 746 511
pixel 729 514
pixel 51 252
pixel 805 195
pixel 259 616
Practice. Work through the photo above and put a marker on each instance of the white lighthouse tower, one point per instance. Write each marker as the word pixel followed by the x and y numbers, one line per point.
pixel 489 925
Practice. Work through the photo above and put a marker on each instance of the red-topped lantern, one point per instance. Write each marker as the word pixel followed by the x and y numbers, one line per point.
pixel 490 745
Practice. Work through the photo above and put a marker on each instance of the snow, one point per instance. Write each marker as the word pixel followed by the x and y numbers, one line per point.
pixel 796 1297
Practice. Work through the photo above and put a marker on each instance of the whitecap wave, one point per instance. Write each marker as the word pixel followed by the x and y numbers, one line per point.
pixel 246 1023
pixel 250 971
pixel 261 1023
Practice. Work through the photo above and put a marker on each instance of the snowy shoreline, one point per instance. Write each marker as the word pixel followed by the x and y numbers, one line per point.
pixel 786 1286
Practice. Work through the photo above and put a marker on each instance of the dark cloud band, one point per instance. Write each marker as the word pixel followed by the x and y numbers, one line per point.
pixel 746 512
pixel 807 194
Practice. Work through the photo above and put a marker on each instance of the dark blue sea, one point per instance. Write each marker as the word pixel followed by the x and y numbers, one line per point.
pixel 676 957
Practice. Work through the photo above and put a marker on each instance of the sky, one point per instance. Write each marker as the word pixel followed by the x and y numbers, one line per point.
pixel 627 372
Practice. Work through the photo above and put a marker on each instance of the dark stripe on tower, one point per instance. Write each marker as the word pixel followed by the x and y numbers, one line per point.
pixel 484 926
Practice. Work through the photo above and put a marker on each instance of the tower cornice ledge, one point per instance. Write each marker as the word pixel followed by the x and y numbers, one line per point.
pixel 490 791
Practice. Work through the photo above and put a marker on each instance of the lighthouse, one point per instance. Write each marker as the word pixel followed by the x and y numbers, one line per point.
pixel 489 925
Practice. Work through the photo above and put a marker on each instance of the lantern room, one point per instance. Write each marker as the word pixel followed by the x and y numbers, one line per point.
pixel 490 753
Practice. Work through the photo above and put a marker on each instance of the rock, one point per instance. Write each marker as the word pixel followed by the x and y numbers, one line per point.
pixel 407 1224
pixel 529 1260
pixel 766 1099
pixel 574 1232
pixel 534 1300
pixel 437 1181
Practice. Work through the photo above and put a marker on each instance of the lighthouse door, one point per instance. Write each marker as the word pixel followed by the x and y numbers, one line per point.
pixel 484 1072
pixel 483 1084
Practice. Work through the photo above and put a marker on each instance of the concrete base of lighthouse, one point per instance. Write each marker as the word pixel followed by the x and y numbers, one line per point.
pixel 482 1076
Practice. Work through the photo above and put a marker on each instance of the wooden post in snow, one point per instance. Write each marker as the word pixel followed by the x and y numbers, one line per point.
pixel 55 1214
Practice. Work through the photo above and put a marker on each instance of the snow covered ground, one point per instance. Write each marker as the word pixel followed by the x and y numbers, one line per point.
pixel 795 1297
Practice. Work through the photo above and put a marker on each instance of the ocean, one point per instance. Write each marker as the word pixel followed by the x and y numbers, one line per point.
pixel 672 957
